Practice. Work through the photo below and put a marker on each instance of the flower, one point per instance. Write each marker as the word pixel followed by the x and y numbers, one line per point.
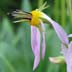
pixel 37 31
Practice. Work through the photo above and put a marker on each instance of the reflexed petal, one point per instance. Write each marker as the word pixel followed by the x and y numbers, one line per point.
pixel 35 43
pixel 59 30
pixel 43 40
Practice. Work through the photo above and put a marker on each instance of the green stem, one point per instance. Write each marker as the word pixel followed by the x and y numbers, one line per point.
pixel 63 13
pixel 56 10
pixel 69 9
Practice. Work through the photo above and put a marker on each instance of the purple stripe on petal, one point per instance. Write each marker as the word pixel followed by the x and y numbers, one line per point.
pixel 35 43
pixel 43 40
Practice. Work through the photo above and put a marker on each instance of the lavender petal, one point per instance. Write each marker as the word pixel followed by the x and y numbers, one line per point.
pixel 60 32
pixel 35 43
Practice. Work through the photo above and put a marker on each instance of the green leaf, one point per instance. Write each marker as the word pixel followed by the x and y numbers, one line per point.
pixel 6 31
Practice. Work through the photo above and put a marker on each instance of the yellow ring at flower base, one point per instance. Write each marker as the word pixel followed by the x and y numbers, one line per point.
pixel 36 14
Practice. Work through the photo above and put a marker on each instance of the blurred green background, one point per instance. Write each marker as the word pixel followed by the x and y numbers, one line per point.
pixel 15 42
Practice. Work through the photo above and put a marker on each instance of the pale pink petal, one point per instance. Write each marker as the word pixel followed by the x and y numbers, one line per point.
pixel 36 61
pixel 35 43
pixel 60 32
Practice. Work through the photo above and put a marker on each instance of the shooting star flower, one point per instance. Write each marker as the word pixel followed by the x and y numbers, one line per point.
pixel 35 18
pixel 37 30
